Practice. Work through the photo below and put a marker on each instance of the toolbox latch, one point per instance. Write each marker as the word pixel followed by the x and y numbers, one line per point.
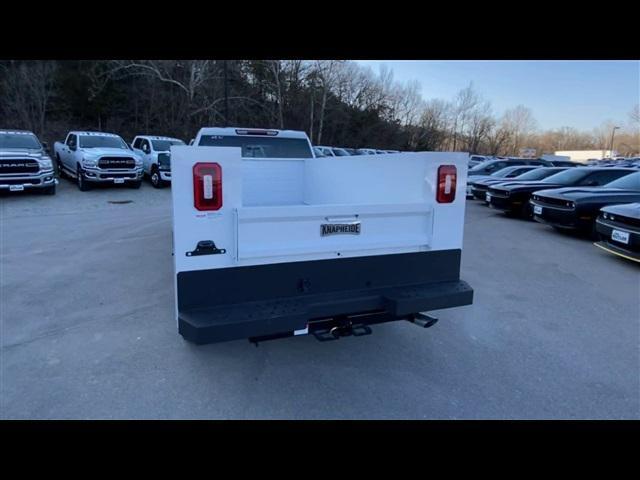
pixel 206 247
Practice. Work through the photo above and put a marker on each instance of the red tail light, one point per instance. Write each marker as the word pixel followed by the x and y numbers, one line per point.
pixel 447 179
pixel 207 186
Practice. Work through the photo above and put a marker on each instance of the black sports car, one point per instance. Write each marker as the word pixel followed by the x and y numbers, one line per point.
pixel 477 186
pixel 618 227
pixel 576 208
pixel 513 197
pixel 491 166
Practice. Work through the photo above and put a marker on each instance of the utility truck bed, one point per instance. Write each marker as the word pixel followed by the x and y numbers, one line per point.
pixel 269 247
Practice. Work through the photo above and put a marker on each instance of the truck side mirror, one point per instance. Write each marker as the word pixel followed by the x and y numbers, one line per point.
pixel 73 146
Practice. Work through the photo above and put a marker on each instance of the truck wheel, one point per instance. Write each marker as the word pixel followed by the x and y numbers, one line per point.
pixel 49 190
pixel 135 184
pixel 83 185
pixel 61 173
pixel 156 180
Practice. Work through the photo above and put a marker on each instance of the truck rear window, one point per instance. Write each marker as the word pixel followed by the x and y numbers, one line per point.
pixel 261 147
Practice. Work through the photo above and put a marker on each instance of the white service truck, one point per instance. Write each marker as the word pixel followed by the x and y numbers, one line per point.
pixel 155 152
pixel 98 157
pixel 271 242
pixel 24 163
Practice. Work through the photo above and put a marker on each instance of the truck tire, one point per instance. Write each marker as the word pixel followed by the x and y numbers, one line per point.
pixel 83 185
pixel 156 180
pixel 49 190
pixel 61 173
pixel 135 184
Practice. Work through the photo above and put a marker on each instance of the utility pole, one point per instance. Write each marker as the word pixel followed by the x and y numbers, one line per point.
pixel 611 146
pixel 226 95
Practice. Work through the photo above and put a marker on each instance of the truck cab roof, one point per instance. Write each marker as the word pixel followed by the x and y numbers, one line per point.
pixel 94 134
pixel 157 137
pixel 239 131
pixel 16 132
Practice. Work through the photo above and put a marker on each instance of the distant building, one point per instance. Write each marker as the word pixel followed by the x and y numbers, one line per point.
pixel 584 155
pixel 527 152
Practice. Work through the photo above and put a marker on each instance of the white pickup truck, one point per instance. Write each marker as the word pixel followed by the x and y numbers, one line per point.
pixel 24 163
pixel 156 157
pixel 92 157
pixel 271 242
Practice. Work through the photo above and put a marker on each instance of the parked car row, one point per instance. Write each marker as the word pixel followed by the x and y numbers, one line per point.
pixel 615 162
pixel 85 157
pixel 322 151
pixel 602 202
pixel 88 158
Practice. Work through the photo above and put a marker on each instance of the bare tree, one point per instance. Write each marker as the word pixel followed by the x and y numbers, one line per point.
pixel 28 88
pixel 478 126
pixel 634 114
pixel 431 133
pixel 325 71
pixel 519 123
pixel 463 105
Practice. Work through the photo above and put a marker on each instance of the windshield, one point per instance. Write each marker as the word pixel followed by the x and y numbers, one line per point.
pixel 503 171
pixel 338 152
pixel 567 177
pixel 477 168
pixel 628 182
pixel 538 174
pixel 261 147
pixel 99 141
pixel 19 140
pixel 165 145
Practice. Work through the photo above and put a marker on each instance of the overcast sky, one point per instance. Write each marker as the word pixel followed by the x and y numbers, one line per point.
pixel 579 94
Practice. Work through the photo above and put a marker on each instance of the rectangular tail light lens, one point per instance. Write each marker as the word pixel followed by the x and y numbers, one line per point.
pixel 447 179
pixel 207 186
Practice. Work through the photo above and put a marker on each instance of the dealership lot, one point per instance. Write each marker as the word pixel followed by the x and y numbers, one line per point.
pixel 88 329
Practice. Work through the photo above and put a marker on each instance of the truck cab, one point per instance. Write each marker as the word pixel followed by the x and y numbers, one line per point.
pixel 155 152
pixel 270 241
pixel 98 157
pixel 25 163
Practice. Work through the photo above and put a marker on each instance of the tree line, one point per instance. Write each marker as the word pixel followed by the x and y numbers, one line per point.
pixel 335 102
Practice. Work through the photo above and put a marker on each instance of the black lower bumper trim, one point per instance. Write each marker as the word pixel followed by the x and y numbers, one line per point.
pixel 260 319
pixel 255 301
pixel 616 250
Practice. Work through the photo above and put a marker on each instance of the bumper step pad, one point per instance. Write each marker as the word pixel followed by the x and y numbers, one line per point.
pixel 264 318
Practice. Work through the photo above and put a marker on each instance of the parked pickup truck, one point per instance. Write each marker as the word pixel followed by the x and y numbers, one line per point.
pixel 156 157
pixel 93 157
pixel 271 242
pixel 24 163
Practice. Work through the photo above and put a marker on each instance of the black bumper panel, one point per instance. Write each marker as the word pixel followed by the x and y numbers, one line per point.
pixel 242 302
pixel 616 250
pixel 630 250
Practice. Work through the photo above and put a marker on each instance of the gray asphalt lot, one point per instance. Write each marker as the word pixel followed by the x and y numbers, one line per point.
pixel 88 330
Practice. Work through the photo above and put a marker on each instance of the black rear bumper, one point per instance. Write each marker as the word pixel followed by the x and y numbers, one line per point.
pixel 264 300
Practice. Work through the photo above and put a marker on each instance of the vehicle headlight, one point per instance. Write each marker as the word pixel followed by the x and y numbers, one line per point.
pixel 90 162
pixel 46 163
pixel 138 162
